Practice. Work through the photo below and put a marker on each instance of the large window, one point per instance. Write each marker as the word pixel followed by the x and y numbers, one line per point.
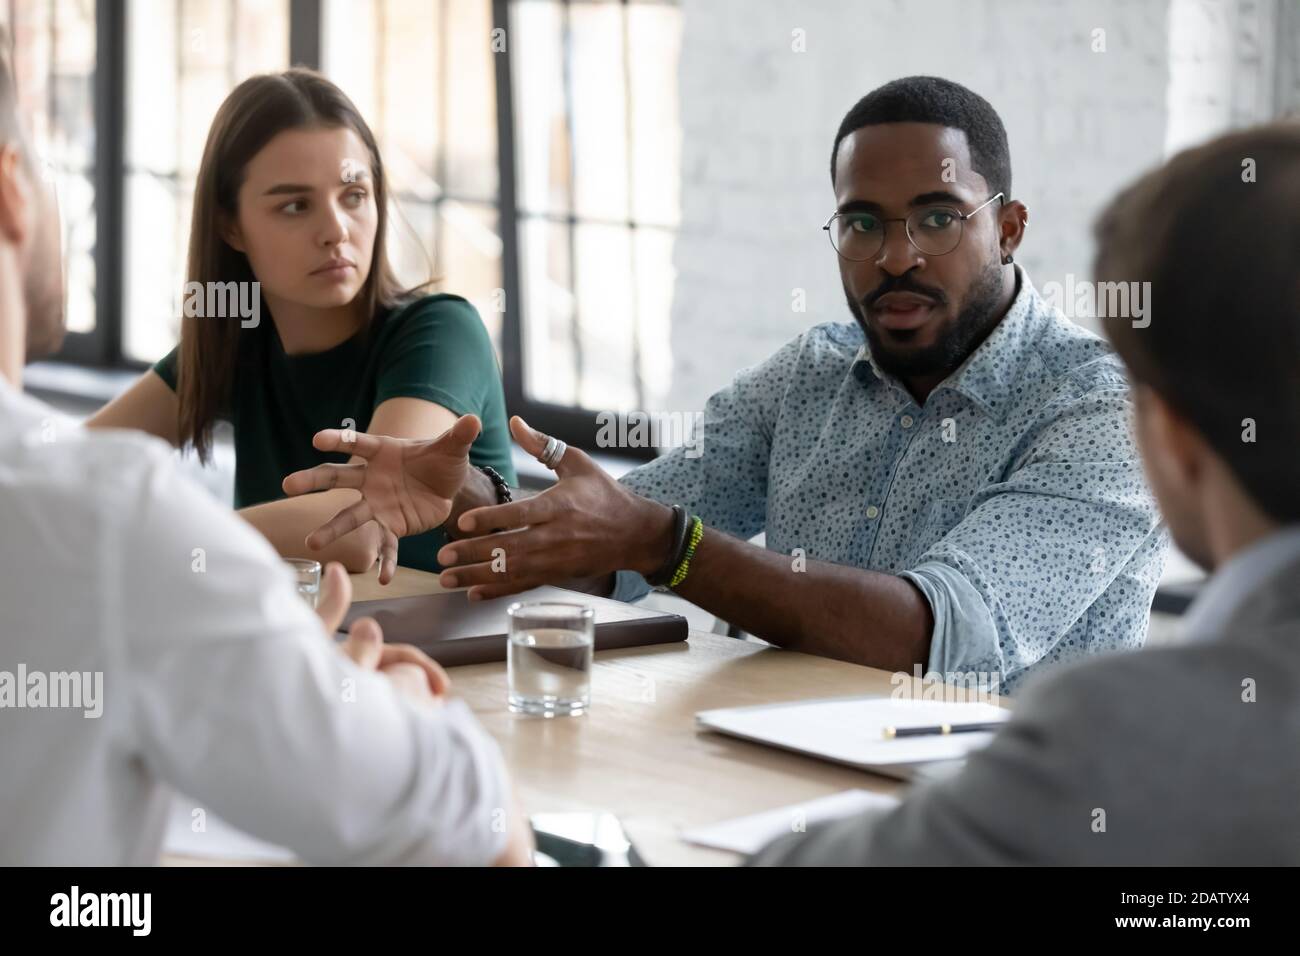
pixel 597 145
pixel 182 58
pixel 422 74
pixel 532 148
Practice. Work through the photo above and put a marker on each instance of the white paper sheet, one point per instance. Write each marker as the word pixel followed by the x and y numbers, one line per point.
pixel 752 833
pixel 850 730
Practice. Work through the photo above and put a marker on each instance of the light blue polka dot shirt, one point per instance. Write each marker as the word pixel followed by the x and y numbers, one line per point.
pixel 1013 498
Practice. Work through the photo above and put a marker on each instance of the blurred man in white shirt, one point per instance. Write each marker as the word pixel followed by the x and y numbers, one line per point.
pixel 150 640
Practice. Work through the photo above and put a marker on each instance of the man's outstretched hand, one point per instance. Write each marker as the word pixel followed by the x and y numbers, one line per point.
pixel 407 486
pixel 583 527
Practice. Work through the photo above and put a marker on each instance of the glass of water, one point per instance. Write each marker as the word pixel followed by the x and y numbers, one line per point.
pixel 307 574
pixel 548 664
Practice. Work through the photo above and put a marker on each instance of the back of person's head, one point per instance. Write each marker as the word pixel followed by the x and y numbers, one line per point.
pixel 1216 233
pixel 43 270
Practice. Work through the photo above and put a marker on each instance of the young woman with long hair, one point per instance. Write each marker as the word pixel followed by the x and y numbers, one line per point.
pixel 291 194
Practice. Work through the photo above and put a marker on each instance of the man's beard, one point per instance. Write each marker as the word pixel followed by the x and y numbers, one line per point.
pixel 955 343
pixel 43 284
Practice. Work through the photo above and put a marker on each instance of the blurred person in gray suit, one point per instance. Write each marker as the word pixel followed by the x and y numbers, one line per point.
pixel 1188 754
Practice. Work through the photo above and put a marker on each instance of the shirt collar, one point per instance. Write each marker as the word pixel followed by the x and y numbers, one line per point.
pixel 989 374
pixel 1229 592
pixel 27 418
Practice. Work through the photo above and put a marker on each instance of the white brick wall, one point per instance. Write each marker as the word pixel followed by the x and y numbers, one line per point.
pixel 758 120
pixel 1231 63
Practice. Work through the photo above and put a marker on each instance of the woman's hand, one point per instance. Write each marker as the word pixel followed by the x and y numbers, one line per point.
pixel 407 486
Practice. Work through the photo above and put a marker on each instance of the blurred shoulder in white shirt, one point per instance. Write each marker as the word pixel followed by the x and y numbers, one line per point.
pixel 215 679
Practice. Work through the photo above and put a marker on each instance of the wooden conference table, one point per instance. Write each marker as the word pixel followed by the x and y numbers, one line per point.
pixel 637 753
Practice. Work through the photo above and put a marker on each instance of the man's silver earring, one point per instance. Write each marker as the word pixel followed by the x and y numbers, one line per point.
pixel 1006 260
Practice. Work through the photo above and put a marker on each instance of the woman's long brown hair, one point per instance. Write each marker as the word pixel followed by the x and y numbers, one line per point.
pixel 256 111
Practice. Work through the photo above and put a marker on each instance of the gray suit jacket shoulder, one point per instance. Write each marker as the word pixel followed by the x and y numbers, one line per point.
pixel 1175 756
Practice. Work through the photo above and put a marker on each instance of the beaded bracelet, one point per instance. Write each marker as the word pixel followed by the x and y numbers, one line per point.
pixel 683 569
pixel 499 483
pixel 681 525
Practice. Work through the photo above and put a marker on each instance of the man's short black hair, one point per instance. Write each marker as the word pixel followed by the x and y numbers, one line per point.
pixel 1216 231
pixel 930 99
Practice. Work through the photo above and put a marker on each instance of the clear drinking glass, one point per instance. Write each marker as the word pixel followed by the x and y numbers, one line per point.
pixel 307 573
pixel 548 664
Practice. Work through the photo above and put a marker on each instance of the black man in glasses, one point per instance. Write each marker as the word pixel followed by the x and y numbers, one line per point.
pixel 949 482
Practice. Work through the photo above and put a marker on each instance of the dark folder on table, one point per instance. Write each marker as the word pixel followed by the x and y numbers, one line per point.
pixel 454 630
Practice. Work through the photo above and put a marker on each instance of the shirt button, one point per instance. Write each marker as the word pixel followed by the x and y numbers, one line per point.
pixel 906 421
pixel 873 511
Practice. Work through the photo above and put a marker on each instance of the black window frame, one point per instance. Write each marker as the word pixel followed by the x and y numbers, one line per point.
pixel 102 347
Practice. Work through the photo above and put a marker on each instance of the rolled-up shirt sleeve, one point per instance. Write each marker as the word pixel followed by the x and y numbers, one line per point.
pixel 1038 548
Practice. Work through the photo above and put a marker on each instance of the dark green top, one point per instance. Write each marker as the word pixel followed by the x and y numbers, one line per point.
pixel 434 348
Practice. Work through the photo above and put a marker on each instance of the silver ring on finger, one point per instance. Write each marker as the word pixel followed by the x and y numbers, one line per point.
pixel 553 452
pixel 548 451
